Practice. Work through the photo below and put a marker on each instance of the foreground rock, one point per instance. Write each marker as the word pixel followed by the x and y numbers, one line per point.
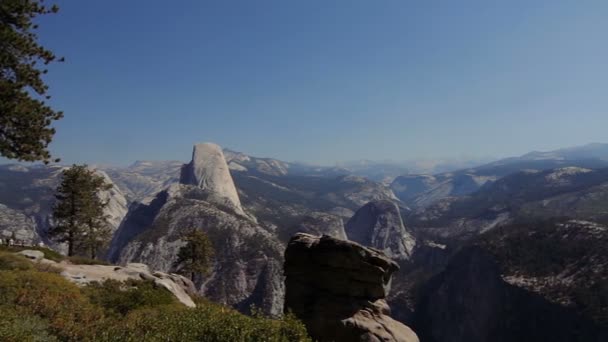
pixel 378 224
pixel 84 274
pixel 338 289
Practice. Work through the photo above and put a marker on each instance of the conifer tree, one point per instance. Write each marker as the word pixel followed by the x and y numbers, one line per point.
pixel 78 214
pixel 25 118
pixel 195 257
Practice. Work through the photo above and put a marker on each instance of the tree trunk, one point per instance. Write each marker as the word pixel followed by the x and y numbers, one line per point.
pixel 70 244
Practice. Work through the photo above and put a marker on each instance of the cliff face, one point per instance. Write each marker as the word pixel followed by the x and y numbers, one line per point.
pixel 338 289
pixel 470 302
pixel 247 259
pixel 378 224
pixel 27 197
pixel 208 170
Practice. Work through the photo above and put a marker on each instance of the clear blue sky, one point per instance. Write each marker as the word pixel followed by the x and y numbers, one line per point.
pixel 325 81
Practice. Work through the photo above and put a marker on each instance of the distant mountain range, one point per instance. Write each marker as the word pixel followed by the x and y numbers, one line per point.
pixel 432 224
pixel 422 190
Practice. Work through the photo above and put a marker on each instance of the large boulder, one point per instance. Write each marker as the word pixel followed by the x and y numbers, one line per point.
pixel 338 289
pixel 208 170
pixel 378 224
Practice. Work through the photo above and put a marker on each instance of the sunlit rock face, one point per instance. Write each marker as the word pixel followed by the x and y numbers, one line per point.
pixel 378 224
pixel 208 170
pixel 338 289
pixel 246 266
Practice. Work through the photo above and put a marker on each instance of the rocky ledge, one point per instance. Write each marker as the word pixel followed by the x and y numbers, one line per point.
pixel 338 289
pixel 178 285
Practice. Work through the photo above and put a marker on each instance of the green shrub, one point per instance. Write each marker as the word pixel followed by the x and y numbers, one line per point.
pixel 50 297
pixel 48 253
pixel 42 306
pixel 15 327
pixel 47 267
pixel 206 323
pixel 10 261
pixel 122 297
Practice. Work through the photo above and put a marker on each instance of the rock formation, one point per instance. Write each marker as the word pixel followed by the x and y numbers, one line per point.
pixel 247 263
pixel 208 170
pixel 378 224
pixel 117 206
pixel 338 289
pixel 17 226
pixel 179 286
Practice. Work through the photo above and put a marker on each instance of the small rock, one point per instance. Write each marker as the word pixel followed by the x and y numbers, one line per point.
pixel 32 254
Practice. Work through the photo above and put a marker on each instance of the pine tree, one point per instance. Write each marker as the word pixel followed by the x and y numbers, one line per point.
pixel 79 216
pixel 97 231
pixel 195 257
pixel 25 118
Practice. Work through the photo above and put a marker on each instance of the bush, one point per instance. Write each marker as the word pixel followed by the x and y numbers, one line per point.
pixel 16 328
pixel 80 260
pixel 50 297
pixel 42 306
pixel 47 267
pixel 10 261
pixel 48 253
pixel 118 297
pixel 206 323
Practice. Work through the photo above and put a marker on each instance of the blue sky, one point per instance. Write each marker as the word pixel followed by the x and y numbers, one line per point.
pixel 327 81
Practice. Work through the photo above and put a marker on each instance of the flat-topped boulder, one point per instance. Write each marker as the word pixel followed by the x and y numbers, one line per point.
pixel 338 289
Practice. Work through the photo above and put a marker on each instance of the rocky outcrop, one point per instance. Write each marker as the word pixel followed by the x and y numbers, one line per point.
pixel 338 289
pixel 117 206
pixel 17 226
pixel 208 170
pixel 178 285
pixel 32 254
pixel 378 224
pixel 247 261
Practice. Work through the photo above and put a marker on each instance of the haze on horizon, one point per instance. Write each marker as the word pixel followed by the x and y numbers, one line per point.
pixel 324 82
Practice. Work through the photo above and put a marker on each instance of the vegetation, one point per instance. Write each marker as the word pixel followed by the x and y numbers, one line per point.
pixel 194 258
pixel 120 298
pixel 42 306
pixel 48 253
pixel 25 123
pixel 79 212
pixel 568 260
